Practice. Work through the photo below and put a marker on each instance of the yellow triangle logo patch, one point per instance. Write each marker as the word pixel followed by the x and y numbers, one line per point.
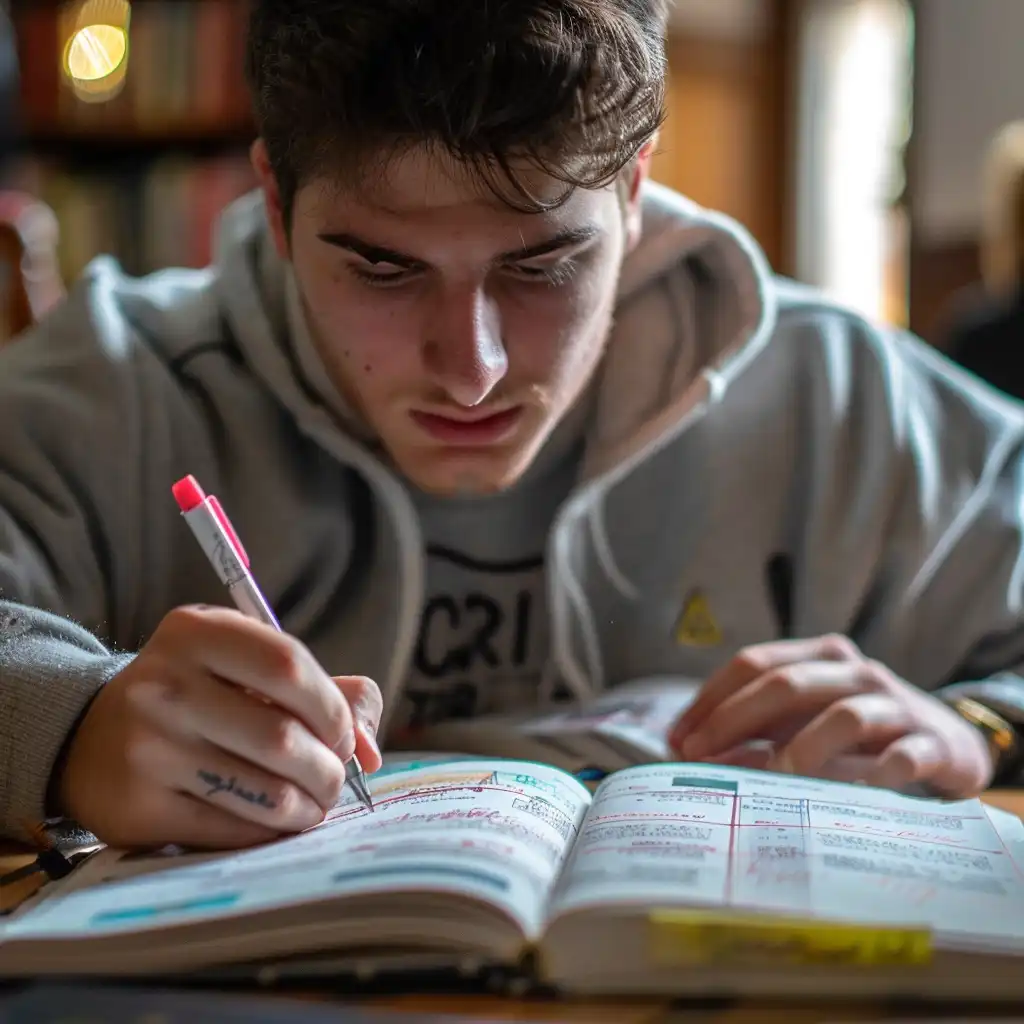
pixel 697 626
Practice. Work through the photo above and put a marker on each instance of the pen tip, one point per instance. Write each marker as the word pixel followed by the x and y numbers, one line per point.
pixel 364 794
pixel 356 778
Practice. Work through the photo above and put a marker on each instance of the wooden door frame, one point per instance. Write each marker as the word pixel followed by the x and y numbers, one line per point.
pixel 936 269
pixel 774 120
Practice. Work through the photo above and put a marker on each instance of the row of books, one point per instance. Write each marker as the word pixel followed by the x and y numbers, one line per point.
pixel 184 73
pixel 158 216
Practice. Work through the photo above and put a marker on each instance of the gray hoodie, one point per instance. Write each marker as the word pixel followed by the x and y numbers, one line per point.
pixel 761 463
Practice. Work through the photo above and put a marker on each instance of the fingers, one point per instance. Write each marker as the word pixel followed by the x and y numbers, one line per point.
pixel 366 704
pixel 752 663
pixel 798 692
pixel 250 793
pixel 234 786
pixel 831 713
pixel 250 654
pixel 868 737
pixel 263 735
pixel 909 759
pixel 867 719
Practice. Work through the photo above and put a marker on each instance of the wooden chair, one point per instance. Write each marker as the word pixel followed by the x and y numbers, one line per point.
pixel 30 281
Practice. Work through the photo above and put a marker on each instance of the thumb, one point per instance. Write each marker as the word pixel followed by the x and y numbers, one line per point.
pixel 365 701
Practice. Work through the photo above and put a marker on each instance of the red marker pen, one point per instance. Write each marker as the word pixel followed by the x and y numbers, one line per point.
pixel 212 528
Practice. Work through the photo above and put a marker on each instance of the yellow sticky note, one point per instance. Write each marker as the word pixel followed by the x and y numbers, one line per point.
pixel 681 937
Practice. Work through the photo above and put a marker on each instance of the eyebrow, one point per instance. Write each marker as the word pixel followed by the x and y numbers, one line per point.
pixel 373 253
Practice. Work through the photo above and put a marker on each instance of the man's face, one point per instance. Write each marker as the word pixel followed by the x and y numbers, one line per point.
pixel 460 330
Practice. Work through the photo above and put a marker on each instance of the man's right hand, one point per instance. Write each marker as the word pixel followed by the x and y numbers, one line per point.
pixel 221 733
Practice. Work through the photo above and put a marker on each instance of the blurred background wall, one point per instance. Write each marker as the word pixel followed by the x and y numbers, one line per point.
pixel 848 135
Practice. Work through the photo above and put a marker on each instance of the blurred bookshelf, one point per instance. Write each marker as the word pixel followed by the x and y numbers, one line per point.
pixel 138 155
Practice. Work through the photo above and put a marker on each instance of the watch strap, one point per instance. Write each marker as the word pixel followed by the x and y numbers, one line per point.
pixel 1000 736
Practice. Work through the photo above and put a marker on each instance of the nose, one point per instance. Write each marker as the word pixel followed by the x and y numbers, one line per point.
pixel 463 353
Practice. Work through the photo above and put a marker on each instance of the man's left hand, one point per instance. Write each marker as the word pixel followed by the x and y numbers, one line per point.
pixel 821 708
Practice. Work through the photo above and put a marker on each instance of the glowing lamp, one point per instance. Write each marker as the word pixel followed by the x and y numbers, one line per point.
pixel 96 47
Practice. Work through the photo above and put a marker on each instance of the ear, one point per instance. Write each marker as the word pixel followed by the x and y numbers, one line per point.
pixel 638 174
pixel 272 196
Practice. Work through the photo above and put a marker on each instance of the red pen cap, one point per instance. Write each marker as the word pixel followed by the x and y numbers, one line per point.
pixel 189 495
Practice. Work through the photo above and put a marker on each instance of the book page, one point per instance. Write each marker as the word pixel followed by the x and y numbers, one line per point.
pixel 626 725
pixel 691 835
pixel 491 830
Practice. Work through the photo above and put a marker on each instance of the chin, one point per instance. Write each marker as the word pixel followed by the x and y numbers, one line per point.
pixel 450 474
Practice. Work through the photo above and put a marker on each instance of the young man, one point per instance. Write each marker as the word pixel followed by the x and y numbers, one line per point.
pixel 496 420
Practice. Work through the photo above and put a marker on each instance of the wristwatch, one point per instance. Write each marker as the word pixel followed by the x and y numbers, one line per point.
pixel 1003 743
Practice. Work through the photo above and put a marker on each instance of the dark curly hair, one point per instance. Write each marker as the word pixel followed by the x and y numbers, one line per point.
pixel 574 88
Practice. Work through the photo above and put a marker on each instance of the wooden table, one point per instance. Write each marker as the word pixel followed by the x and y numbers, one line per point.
pixel 484 1008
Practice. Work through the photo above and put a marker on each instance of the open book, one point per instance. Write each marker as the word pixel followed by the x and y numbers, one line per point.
pixel 669 879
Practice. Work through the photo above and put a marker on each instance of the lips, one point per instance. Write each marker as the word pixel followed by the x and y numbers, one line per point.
pixel 485 430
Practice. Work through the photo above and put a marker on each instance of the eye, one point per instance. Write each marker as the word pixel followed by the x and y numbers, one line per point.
pixel 380 275
pixel 554 274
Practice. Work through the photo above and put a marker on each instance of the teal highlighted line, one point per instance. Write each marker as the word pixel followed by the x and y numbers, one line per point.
pixel 397 767
pixel 698 783
pixel 220 902
pixel 418 870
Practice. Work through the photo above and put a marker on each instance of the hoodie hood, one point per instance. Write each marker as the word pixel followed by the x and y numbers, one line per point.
pixel 694 308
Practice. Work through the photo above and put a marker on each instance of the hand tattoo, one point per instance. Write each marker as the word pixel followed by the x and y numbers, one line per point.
pixel 218 784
